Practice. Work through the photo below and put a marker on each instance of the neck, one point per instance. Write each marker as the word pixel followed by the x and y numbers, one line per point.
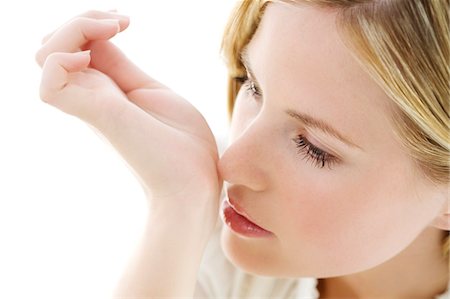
pixel 420 271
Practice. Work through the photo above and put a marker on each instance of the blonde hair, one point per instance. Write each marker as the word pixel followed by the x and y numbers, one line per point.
pixel 404 45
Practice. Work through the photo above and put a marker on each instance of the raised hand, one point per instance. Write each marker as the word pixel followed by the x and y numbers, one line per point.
pixel 164 139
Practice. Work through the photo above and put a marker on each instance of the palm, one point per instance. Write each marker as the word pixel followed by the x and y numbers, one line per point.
pixel 165 140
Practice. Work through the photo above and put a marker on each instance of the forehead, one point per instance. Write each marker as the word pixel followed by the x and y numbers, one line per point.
pixel 300 59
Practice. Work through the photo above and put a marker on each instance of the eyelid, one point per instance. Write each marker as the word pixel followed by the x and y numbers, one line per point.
pixel 313 140
pixel 254 88
pixel 316 141
pixel 310 152
pixel 300 116
pixel 250 74
pixel 313 123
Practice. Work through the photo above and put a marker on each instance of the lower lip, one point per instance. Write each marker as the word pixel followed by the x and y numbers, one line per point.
pixel 241 225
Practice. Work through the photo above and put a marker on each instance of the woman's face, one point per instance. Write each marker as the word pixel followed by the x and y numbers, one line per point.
pixel 313 157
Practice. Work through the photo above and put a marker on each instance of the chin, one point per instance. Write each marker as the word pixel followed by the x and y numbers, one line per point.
pixel 246 254
pixel 264 257
pixel 260 257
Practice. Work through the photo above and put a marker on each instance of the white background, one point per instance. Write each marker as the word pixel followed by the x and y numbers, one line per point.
pixel 71 212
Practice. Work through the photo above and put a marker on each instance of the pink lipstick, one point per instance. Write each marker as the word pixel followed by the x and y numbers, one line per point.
pixel 235 218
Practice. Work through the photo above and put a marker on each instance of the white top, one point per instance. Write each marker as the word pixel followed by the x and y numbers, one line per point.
pixel 218 278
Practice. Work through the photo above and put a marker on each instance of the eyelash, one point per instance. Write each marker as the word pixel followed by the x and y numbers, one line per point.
pixel 250 86
pixel 310 152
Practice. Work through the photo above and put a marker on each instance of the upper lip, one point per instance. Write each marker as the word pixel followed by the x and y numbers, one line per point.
pixel 232 200
pixel 238 208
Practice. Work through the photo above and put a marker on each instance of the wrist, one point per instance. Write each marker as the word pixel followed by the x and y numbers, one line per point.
pixel 194 223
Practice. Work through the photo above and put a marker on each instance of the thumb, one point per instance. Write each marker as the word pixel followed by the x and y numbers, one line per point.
pixel 70 86
pixel 56 70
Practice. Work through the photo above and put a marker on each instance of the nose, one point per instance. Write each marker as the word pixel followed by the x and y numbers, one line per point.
pixel 244 161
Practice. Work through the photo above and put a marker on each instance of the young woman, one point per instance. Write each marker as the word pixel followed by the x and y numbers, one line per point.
pixel 337 166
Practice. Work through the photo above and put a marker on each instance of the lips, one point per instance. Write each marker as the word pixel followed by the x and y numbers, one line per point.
pixel 239 222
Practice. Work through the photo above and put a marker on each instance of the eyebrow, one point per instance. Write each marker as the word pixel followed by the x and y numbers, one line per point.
pixel 246 62
pixel 311 122
pixel 305 119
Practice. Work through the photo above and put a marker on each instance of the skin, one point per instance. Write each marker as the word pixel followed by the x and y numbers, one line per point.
pixel 358 215
pixel 373 209
pixel 153 129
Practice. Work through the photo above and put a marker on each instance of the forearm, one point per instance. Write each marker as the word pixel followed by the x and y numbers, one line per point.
pixel 167 259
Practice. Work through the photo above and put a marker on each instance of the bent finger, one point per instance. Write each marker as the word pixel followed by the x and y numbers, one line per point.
pixel 124 20
pixel 56 69
pixel 110 60
pixel 71 37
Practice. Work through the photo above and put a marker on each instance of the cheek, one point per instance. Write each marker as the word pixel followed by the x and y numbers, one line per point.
pixel 345 222
pixel 314 213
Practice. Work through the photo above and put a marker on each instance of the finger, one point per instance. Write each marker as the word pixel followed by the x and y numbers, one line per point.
pixel 47 37
pixel 108 59
pixel 72 36
pixel 63 86
pixel 56 70
pixel 124 20
pixel 141 89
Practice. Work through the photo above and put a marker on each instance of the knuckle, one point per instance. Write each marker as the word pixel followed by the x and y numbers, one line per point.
pixel 39 57
pixel 43 57
pixel 46 38
pixel 77 21
pixel 92 13
pixel 82 25
pixel 45 95
pixel 52 58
